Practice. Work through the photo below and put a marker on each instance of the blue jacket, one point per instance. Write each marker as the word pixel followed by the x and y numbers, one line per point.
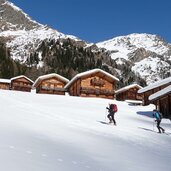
pixel 157 115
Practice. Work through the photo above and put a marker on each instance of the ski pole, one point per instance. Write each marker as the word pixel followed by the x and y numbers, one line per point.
pixel 105 114
pixel 153 123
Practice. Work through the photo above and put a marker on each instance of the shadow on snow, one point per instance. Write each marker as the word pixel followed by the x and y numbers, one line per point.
pixel 146 113
pixel 103 122
pixel 151 130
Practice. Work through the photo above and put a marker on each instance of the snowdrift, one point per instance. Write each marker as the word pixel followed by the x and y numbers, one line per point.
pixel 50 132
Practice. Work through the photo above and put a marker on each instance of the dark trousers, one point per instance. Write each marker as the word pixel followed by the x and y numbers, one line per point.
pixel 159 127
pixel 111 117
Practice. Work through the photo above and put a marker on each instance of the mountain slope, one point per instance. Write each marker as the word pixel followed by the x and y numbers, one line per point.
pixel 13 18
pixel 22 33
pixel 149 54
pixel 132 42
pixel 46 132
pixel 39 49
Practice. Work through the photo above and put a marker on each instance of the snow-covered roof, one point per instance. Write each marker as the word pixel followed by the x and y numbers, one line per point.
pixel 160 93
pixel 5 81
pixel 86 73
pixel 127 88
pixel 43 77
pixel 155 85
pixel 14 78
pixel 134 101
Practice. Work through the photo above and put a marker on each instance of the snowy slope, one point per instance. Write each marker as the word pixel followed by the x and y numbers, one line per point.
pixel 24 34
pixel 19 10
pixel 123 45
pixel 149 53
pixel 151 69
pixel 49 133
pixel 23 42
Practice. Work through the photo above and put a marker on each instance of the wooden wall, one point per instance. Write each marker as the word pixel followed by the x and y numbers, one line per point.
pixel 93 86
pixel 21 84
pixel 5 86
pixel 130 94
pixel 146 94
pixel 164 105
pixel 51 86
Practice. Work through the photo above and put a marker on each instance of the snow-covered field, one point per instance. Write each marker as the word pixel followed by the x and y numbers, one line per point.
pixel 63 133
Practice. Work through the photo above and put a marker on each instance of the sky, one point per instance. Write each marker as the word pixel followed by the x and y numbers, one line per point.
pixel 99 20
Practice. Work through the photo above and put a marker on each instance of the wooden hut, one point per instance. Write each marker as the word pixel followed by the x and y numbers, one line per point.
pixel 5 84
pixel 162 100
pixel 129 93
pixel 93 83
pixel 153 88
pixel 21 83
pixel 50 84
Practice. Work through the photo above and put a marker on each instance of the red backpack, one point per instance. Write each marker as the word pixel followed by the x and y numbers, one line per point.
pixel 115 108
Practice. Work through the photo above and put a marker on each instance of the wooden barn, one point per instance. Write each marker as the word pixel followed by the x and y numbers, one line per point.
pixel 21 83
pixel 162 100
pixel 50 84
pixel 129 93
pixel 5 84
pixel 93 83
pixel 153 88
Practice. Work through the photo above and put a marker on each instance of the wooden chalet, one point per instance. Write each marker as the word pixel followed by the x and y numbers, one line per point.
pixel 21 83
pixel 93 83
pixel 153 88
pixel 162 100
pixel 50 84
pixel 129 93
pixel 5 84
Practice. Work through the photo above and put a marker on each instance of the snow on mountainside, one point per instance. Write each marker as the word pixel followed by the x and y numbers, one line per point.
pixel 23 42
pixel 122 46
pixel 13 18
pixel 23 35
pixel 150 54
pixel 146 56
pixel 51 132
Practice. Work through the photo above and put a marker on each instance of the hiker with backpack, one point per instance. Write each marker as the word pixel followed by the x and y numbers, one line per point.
pixel 158 117
pixel 112 109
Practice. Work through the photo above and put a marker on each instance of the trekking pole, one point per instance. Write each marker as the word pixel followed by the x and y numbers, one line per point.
pixel 105 114
pixel 153 123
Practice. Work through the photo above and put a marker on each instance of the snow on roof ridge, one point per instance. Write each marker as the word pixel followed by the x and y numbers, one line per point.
pixel 42 77
pixel 90 72
pixel 127 88
pixel 97 70
pixel 53 74
pixel 20 77
pixel 155 85
pixel 160 93
pixel 5 80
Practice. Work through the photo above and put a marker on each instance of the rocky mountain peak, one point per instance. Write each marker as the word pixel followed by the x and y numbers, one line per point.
pixel 41 50
pixel 123 45
pixel 22 34
pixel 2 1
pixel 149 54
pixel 13 18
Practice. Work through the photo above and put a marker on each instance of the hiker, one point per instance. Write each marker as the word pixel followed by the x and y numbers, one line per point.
pixel 158 117
pixel 112 109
